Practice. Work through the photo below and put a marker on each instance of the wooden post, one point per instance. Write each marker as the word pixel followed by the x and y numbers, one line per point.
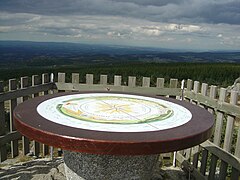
pixel 25 140
pixel 61 77
pixel 203 166
pixel 103 79
pixel 12 105
pixel 213 166
pixel 204 90
pixel 36 145
pixel 230 123
pixel 195 150
pixel 219 118
pixel 45 79
pixel 237 150
pixel 146 82
pixel 196 87
pixel 228 135
pixel 75 78
pixel 212 95
pixel 160 82
pixel 3 149
pixel 89 79
pixel 173 84
pixel 223 170
pixel 131 81
pixel 189 84
pixel 117 80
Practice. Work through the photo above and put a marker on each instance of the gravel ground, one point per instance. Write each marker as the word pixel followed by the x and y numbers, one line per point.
pixel 47 169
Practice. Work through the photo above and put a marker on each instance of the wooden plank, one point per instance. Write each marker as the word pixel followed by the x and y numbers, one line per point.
pixel 99 87
pixel 131 81
pixel 12 105
pixel 24 84
pixel 195 154
pixel 204 159
pixel 196 86
pixel 223 170
pixel 222 154
pixel 187 153
pixel 189 84
pixel 75 78
pixel 11 136
pixel 213 92
pixel 160 83
pixel 184 163
pixel 213 166
pixel 219 118
pixel 173 83
pixel 25 91
pixel 36 145
pixel 117 80
pixel 204 89
pixel 45 79
pixel 146 82
pixel 103 79
pixel 230 124
pixel 25 140
pixel 3 147
pixel 212 95
pixel 61 77
pixel 89 79
pixel 189 88
pixel 237 150
pixel 235 174
pixel 230 109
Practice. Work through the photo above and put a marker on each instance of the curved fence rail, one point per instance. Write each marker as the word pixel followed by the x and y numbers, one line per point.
pixel 216 158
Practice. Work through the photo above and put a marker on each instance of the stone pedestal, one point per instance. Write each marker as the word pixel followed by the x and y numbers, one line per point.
pixel 82 166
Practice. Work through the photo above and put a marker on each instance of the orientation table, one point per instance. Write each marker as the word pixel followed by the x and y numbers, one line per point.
pixel 111 135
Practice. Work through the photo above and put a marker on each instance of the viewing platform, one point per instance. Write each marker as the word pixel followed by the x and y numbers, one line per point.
pixel 215 158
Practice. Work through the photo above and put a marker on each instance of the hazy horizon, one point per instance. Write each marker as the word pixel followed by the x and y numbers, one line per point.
pixel 188 24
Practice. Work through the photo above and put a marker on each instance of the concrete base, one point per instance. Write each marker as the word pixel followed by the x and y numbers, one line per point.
pixel 82 166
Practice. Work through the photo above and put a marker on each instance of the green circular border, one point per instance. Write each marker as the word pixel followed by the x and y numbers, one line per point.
pixel 158 118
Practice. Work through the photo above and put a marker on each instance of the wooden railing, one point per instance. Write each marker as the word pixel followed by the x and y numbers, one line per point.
pixel 19 91
pixel 220 155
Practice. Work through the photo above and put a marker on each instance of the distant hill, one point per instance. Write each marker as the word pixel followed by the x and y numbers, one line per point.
pixel 51 53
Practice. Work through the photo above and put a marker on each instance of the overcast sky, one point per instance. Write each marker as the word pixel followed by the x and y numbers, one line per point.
pixel 181 24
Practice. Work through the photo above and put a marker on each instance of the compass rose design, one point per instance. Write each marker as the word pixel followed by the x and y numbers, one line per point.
pixel 114 110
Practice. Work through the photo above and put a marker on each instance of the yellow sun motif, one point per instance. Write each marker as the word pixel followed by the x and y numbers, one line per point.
pixel 115 108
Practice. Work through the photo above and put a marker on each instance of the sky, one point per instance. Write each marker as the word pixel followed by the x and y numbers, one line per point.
pixel 175 24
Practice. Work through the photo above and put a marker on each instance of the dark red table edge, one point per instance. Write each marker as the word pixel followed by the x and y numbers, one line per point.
pixel 29 123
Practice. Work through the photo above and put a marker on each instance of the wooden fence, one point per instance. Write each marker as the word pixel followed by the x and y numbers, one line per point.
pixel 218 157
pixel 19 91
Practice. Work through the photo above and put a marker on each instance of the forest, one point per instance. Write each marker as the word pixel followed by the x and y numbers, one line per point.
pixel 221 74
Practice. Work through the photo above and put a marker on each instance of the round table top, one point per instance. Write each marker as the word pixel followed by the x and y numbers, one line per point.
pixel 113 123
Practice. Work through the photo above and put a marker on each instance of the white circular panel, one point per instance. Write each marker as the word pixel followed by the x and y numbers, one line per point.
pixel 114 112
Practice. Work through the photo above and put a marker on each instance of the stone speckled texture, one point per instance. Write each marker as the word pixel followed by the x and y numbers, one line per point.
pixel 45 168
pixel 81 166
